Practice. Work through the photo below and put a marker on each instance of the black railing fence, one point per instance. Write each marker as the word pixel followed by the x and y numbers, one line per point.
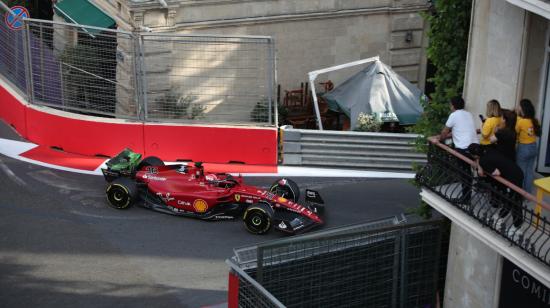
pixel 385 263
pixel 492 200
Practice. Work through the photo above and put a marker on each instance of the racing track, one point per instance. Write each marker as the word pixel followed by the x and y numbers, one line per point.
pixel 61 245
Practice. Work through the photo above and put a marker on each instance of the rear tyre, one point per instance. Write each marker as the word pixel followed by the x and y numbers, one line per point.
pixel 151 161
pixel 258 218
pixel 122 193
pixel 286 188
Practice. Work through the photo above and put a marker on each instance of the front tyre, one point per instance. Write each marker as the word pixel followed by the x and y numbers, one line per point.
pixel 122 193
pixel 286 188
pixel 258 218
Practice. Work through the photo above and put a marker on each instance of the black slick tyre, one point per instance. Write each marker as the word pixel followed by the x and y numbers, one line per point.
pixel 122 193
pixel 150 161
pixel 286 188
pixel 258 218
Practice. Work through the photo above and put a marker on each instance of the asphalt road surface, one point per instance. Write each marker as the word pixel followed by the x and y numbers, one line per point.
pixel 62 246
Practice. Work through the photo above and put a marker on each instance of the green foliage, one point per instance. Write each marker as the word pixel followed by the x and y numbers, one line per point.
pixel 175 105
pixel 368 123
pixel 449 22
pixel 259 112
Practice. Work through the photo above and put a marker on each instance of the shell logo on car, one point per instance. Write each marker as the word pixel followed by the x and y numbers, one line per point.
pixel 200 205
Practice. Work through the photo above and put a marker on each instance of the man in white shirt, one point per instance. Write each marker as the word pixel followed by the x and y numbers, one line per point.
pixel 461 126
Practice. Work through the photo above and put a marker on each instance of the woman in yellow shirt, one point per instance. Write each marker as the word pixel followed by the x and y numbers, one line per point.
pixel 527 129
pixel 490 125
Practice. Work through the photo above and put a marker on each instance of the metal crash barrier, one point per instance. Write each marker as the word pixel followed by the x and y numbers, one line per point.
pixel 386 263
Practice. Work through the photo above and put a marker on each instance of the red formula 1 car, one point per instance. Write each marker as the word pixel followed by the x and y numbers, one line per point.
pixel 186 190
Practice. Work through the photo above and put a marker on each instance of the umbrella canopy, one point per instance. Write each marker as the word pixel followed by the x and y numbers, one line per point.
pixel 377 89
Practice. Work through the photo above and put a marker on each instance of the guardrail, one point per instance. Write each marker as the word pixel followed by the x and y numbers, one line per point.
pixel 380 151
pixel 385 263
pixel 491 197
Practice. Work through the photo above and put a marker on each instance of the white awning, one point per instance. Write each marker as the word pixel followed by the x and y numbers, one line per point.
pixel 540 7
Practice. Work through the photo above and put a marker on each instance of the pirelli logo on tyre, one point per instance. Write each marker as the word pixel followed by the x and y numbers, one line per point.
pixel 200 206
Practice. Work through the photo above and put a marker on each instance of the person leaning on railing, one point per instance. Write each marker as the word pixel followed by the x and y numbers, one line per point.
pixel 528 129
pixel 505 136
pixel 491 161
pixel 491 124
pixel 460 125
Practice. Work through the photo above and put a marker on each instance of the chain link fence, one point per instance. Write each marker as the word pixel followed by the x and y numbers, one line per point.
pixel 201 79
pixel 371 265
pixel 208 78
pixel 12 56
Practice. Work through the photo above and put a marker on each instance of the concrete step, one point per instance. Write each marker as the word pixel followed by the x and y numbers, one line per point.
pixel 363 165
pixel 356 140
pixel 337 158
pixel 354 153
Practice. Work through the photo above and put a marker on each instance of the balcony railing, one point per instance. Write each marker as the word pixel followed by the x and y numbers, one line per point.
pixel 452 176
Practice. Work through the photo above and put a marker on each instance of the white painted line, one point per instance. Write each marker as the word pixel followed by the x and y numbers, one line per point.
pixel 14 149
pixel 12 175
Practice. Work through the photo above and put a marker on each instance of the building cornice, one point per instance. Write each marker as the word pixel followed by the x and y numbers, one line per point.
pixel 292 17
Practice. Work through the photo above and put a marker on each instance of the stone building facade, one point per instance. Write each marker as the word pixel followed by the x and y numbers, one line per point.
pixel 308 35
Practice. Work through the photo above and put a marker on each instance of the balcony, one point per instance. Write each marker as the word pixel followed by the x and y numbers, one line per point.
pixel 540 7
pixel 443 180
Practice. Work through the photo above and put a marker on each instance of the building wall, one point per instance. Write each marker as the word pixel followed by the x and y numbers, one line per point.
pixel 494 56
pixel 534 71
pixel 473 272
pixel 308 35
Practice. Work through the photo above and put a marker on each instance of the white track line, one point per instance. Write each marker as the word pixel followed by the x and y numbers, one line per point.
pixel 12 175
pixel 14 149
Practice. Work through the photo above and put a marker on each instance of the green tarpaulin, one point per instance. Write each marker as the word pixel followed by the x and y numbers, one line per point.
pixel 82 12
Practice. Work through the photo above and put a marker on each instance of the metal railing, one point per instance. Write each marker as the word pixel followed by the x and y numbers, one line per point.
pixel 380 151
pixel 385 264
pixel 201 79
pixel 493 201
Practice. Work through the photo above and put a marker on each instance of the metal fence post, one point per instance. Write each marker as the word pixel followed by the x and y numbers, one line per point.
pixel 403 278
pixel 271 80
pixel 137 77
pixel 28 60
pixel 143 78
pixel 260 265
pixel 396 267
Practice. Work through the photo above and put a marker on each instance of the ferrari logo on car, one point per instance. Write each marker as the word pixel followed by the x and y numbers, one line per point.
pixel 237 197
pixel 200 205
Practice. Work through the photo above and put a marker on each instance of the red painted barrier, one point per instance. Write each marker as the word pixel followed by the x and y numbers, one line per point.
pixel 233 291
pixel 257 146
pixel 13 112
pixel 81 136
pixel 98 136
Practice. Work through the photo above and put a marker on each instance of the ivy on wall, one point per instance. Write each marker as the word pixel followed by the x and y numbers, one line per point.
pixel 449 25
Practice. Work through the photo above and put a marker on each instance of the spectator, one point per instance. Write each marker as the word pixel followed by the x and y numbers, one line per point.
pixel 460 125
pixel 527 129
pixel 505 136
pixel 491 161
pixel 490 125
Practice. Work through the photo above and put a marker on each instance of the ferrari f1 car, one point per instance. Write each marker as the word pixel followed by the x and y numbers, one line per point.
pixel 186 190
